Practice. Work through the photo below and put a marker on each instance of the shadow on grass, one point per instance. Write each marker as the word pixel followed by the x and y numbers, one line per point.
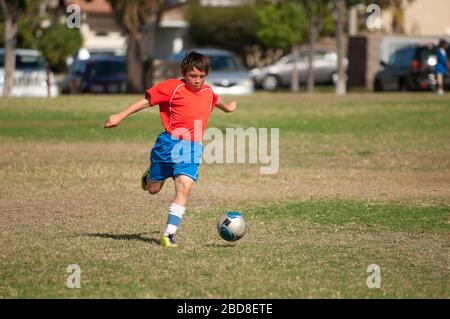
pixel 221 245
pixel 126 237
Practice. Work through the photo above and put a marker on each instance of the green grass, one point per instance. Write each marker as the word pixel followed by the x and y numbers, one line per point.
pixel 82 118
pixel 319 248
pixel 363 180
pixel 342 212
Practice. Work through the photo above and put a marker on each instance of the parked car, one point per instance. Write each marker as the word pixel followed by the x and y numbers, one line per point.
pixel 227 76
pixel 97 74
pixel 409 68
pixel 30 78
pixel 279 74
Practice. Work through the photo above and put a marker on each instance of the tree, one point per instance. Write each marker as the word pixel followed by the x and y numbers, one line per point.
pixel 11 10
pixel 398 13
pixel 57 43
pixel 231 28
pixel 341 85
pixel 316 12
pixel 340 7
pixel 54 39
pixel 282 25
pixel 139 19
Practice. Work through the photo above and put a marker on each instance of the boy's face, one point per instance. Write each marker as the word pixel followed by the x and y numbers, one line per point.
pixel 195 79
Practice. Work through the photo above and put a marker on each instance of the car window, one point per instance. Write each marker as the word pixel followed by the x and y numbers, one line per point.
pixel 406 57
pixel 26 61
pixel 218 62
pixel 29 62
pixel 78 66
pixel 394 59
pixel 224 63
pixel 303 55
pixel 320 55
pixel 105 68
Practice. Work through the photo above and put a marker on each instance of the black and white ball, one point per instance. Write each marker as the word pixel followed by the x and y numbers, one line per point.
pixel 231 226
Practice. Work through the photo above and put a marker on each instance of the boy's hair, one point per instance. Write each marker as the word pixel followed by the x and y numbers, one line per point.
pixel 192 60
pixel 442 42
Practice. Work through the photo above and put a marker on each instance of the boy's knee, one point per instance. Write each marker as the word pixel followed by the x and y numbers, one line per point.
pixel 184 187
pixel 152 191
pixel 154 188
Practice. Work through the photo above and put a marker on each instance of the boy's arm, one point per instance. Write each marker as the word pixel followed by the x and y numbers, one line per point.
pixel 116 119
pixel 226 107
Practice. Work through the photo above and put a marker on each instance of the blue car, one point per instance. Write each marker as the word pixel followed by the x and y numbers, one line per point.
pixel 98 74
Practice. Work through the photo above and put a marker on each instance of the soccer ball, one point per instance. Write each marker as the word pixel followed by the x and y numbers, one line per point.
pixel 231 226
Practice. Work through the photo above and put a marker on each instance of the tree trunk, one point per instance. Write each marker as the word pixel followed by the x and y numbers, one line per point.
pixel 134 65
pixel 10 52
pixel 294 78
pixel 398 17
pixel 341 88
pixel 312 33
pixel 149 34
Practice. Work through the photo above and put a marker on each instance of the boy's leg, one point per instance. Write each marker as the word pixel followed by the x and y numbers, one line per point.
pixel 183 185
pixel 440 83
pixel 154 187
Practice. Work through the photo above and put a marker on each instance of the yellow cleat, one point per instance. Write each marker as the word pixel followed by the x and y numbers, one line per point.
pixel 144 180
pixel 168 241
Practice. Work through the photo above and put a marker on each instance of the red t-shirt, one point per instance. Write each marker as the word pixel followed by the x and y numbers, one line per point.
pixel 181 109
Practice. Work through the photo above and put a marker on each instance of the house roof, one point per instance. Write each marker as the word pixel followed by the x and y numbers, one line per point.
pixel 92 6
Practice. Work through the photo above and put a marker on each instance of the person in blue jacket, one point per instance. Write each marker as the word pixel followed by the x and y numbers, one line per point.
pixel 442 65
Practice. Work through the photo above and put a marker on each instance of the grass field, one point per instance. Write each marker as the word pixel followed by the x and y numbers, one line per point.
pixel 363 179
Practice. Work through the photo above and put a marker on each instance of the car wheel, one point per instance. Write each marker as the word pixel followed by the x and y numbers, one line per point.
pixel 402 86
pixel 270 83
pixel 334 78
pixel 378 87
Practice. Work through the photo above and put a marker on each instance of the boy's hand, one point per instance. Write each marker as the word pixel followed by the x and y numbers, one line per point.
pixel 113 121
pixel 226 107
pixel 232 106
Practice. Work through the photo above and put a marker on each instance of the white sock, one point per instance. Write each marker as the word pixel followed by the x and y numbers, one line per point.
pixel 174 219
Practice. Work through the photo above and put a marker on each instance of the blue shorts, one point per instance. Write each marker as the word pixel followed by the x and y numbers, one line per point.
pixel 171 157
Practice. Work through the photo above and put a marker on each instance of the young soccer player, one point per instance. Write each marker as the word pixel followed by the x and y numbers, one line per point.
pixel 442 65
pixel 185 106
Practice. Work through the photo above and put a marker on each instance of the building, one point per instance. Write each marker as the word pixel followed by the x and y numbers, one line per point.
pixel 98 28
pixel 422 18
pixel 101 32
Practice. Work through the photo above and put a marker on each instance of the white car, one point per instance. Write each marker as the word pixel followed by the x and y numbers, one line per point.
pixel 30 78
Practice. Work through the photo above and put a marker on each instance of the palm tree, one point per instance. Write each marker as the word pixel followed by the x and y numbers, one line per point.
pixel 139 17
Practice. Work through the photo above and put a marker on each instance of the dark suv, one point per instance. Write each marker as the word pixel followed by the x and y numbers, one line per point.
pixel 98 74
pixel 410 68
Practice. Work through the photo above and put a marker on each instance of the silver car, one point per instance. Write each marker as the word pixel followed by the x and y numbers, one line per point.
pixel 279 74
pixel 227 76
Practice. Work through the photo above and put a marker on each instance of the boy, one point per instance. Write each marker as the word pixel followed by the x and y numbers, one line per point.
pixel 185 106
pixel 442 65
